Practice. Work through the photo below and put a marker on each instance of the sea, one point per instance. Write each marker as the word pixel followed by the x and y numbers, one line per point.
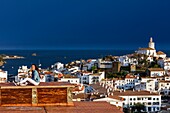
pixel 49 57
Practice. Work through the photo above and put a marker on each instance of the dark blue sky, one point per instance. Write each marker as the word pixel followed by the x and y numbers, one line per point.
pixel 84 24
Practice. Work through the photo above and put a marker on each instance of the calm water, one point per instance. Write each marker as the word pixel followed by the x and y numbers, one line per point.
pixel 49 57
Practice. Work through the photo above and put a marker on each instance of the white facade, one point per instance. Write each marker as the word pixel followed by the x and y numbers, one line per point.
pixel 151 101
pixel 150 85
pixel 70 80
pixel 164 87
pixel 151 44
pixel 58 66
pixel 74 69
pixel 89 78
pixel 151 51
pixel 166 65
pixel 125 60
pixel 23 69
pixel 156 72
pixel 91 63
pixel 127 83
pixel 3 76
pixel 104 64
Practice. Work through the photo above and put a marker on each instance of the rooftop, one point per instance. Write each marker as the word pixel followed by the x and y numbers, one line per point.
pixel 160 53
pixel 155 69
pixel 133 93
pixel 146 48
pixel 80 107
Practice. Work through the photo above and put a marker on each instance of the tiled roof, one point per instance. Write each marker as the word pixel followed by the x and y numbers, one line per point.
pixel 85 107
pixel 155 69
pixel 130 76
pixel 80 107
pixel 163 81
pixel 133 93
pixel 146 48
pixel 99 88
pixel 160 53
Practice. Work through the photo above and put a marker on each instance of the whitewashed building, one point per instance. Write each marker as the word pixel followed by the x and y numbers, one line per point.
pixel 90 63
pixel 125 60
pixel 164 86
pixel 102 64
pixel 127 99
pixel 89 78
pixel 154 72
pixel 3 76
pixel 70 80
pixel 151 51
pixel 58 66
pixel 127 83
pixel 74 69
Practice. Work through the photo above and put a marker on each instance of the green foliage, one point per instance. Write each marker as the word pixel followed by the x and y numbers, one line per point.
pixel 93 68
pixel 138 107
pixel 154 65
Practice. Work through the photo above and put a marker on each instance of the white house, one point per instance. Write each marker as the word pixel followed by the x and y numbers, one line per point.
pixel 74 69
pixel 154 72
pixel 152 101
pixel 148 51
pixel 102 64
pixel 3 76
pixel 166 65
pixel 125 60
pixel 127 83
pixel 151 51
pixel 70 80
pixel 58 66
pixel 161 54
pixel 90 63
pixel 89 78
pixel 164 86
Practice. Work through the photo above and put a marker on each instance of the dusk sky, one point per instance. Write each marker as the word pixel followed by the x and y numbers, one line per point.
pixel 84 24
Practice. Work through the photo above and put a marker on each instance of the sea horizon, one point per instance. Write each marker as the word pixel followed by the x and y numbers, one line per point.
pixel 49 57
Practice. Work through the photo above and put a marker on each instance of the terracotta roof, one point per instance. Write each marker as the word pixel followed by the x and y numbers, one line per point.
pixel 160 53
pixel 146 48
pixel 155 69
pixel 99 88
pixel 116 97
pixel 163 81
pixel 133 93
pixel 80 107
pixel 130 76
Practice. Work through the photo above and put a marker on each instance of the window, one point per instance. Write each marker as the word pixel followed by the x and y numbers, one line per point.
pixel 134 98
pixel 157 98
pixel 130 103
pixel 155 103
pixel 68 80
pixel 149 103
pixel 153 98
pixel 149 98
pixel 130 98
pixel 139 98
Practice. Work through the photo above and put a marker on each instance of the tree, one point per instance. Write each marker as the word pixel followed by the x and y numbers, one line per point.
pixel 93 68
pixel 139 107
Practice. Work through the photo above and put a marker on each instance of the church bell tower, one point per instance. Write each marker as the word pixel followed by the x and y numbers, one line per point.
pixel 151 43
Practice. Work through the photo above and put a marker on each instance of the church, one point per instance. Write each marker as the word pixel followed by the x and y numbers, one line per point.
pixel 151 51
